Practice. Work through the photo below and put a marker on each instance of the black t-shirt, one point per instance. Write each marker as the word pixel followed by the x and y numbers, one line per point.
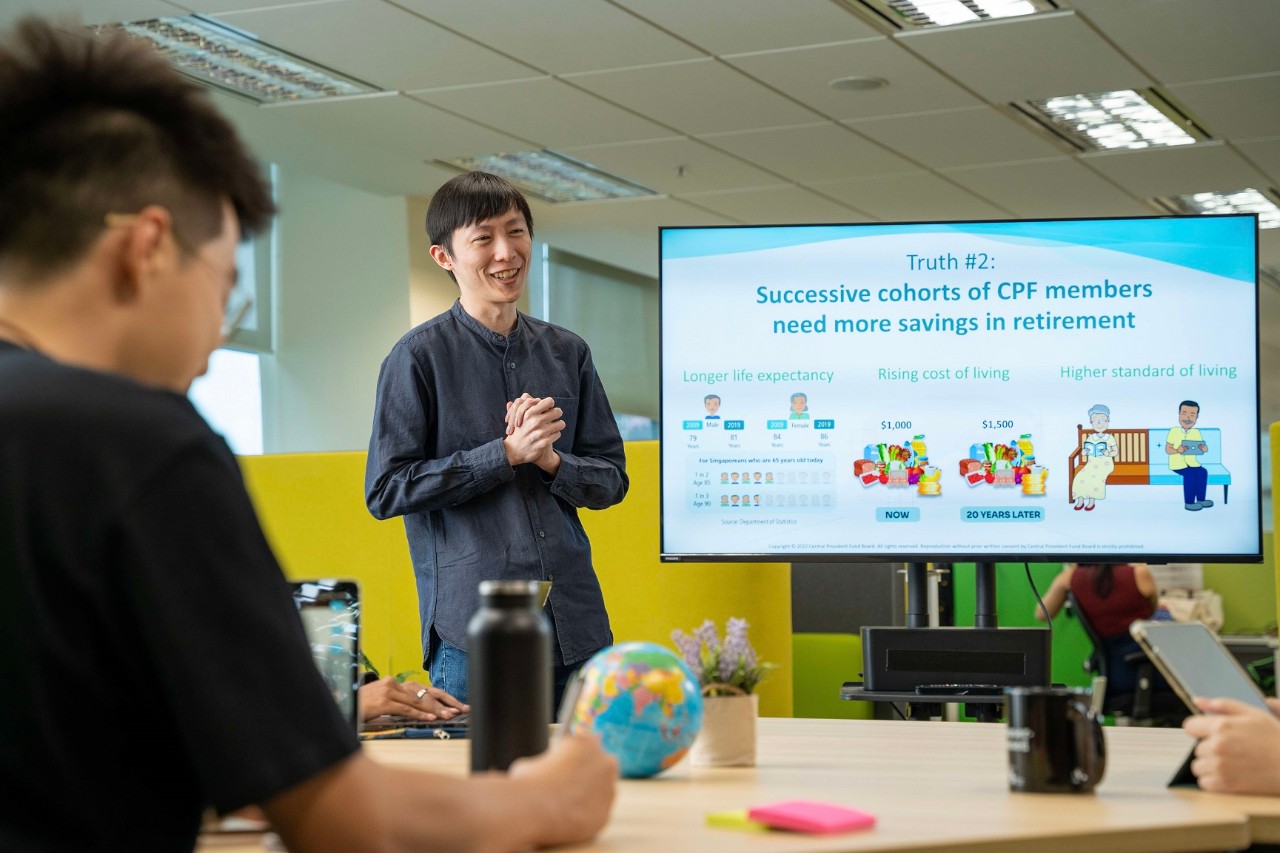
pixel 151 658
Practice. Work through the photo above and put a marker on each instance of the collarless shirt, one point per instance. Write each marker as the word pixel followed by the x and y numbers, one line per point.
pixel 436 458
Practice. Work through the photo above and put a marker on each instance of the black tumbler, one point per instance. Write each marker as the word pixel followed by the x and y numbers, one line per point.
pixel 509 660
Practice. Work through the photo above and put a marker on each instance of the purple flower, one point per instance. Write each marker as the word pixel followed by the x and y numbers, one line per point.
pixel 735 651
pixel 732 662
pixel 690 649
pixel 706 635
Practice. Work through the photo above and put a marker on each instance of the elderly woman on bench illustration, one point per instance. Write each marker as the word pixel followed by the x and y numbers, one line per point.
pixel 1101 450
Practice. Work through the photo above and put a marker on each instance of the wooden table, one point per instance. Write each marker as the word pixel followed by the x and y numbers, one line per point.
pixel 936 786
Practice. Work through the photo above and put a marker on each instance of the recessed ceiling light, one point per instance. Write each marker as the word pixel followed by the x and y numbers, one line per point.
pixel 858 84
pixel 226 58
pixel 1238 201
pixel 1122 119
pixel 912 14
pixel 554 177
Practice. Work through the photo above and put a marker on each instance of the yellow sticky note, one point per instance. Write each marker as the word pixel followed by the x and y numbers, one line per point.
pixel 735 819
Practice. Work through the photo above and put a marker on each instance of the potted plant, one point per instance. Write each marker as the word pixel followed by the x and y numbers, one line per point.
pixel 729 671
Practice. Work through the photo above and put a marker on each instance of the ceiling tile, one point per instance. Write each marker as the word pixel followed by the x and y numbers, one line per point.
pixel 394 49
pixel 1062 187
pixel 1265 154
pixel 397 124
pixel 577 35
pixel 1179 41
pixel 703 96
pixel 103 12
pixel 1244 107
pixel 957 138
pixel 628 227
pixel 674 166
pixel 910 198
pixel 275 137
pixel 1207 167
pixel 549 111
pixel 775 206
pixel 804 73
pixel 1026 58
pixel 810 153
pixel 735 26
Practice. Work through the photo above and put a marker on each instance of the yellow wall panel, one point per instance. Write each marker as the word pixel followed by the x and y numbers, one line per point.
pixel 647 598
pixel 312 509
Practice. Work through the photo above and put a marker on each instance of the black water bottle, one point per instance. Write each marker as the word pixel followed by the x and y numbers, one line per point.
pixel 509 659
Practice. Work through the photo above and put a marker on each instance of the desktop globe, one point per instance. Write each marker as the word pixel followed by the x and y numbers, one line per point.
pixel 643 703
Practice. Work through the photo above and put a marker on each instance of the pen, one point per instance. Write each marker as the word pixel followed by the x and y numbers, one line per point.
pixel 382 734
pixel 569 702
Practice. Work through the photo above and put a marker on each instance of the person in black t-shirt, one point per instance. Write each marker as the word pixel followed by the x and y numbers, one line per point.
pixel 151 657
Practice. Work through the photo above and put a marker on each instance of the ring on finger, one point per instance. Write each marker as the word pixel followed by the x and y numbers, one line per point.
pixel 422 692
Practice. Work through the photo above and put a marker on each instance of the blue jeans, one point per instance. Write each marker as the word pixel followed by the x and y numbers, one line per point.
pixel 1195 482
pixel 448 670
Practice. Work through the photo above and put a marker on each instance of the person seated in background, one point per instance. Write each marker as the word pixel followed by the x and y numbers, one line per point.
pixel 1239 748
pixel 136 574
pixel 388 697
pixel 1112 596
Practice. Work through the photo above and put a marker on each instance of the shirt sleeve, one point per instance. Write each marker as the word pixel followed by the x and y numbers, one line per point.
pixel 594 474
pixel 400 475
pixel 222 635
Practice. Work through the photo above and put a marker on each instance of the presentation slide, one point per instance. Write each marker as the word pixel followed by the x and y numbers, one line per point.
pixel 1062 389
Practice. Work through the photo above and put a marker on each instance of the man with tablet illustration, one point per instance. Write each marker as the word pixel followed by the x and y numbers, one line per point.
pixel 1185 445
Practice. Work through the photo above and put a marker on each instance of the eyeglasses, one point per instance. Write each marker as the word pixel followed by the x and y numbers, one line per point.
pixel 238 303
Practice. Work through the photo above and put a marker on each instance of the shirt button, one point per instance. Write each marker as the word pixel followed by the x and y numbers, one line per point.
pixel 512 365
pixel 550 576
pixel 542 534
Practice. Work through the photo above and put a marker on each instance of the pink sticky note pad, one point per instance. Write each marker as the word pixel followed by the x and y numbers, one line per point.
pixel 811 816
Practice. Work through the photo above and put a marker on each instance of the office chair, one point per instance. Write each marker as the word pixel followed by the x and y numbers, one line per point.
pixel 1146 704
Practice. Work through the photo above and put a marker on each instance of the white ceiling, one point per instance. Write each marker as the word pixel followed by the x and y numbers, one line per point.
pixel 723 107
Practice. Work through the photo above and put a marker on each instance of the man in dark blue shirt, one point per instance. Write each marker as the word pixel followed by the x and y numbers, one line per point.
pixel 491 429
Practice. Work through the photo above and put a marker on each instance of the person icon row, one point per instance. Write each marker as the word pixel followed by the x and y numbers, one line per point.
pixel 799 407
pixel 736 501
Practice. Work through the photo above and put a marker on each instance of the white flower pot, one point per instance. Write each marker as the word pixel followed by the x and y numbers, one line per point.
pixel 728 736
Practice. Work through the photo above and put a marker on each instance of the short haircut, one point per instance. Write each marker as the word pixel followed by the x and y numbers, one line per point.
pixel 1192 403
pixel 92 124
pixel 468 199
pixel 710 397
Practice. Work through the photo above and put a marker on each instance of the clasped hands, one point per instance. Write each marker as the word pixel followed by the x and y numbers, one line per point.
pixel 532 426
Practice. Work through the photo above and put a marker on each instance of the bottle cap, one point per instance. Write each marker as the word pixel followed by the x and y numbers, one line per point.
pixel 509 592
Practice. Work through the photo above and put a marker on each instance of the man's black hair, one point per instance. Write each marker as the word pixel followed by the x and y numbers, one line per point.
pixel 468 199
pixel 93 123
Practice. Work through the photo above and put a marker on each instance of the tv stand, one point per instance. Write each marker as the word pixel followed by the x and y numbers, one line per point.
pixel 927 667
pixel 984 595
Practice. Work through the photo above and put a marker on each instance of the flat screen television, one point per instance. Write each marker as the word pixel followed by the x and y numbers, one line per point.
pixel 956 391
